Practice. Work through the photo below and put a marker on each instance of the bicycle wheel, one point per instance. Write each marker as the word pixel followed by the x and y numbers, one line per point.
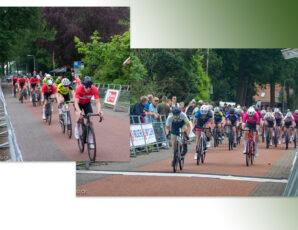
pixel 49 114
pixel 82 137
pixel 295 138
pixel 263 135
pixel 287 137
pixel 33 99
pixel 199 152
pixel 181 161
pixel 252 156
pixel 69 126
pixel 247 153
pixel 91 144
pixel 203 156
pixel 62 123
pixel 175 158
pixel 275 137
pixel 267 139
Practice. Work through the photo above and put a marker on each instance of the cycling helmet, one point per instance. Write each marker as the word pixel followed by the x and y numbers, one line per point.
pixel 238 110
pixel 59 78
pixel 263 112
pixel 176 111
pixel 296 111
pixel 65 82
pixel 204 109
pixel 251 112
pixel 276 110
pixel 232 111
pixel 49 83
pixel 87 81
pixel 216 110
pixel 289 114
pixel 48 76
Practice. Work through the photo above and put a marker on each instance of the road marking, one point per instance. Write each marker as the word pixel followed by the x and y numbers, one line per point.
pixel 200 175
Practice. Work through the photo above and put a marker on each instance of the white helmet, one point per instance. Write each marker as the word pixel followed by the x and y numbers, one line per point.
pixel 216 110
pixel 238 107
pixel 263 112
pixel 238 110
pixel 251 112
pixel 49 83
pixel 65 82
pixel 48 75
pixel 296 111
pixel 276 110
pixel 289 114
pixel 204 109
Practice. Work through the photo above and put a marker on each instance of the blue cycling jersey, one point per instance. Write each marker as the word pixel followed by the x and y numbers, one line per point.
pixel 233 117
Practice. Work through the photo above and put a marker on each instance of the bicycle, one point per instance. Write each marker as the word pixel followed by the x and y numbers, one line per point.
pixel 287 138
pixel 21 95
pixel 86 135
pixel 231 137
pixel 216 138
pixel 15 90
pixel 263 133
pixel 178 149
pixel 276 136
pixel 49 111
pixel 239 134
pixel 66 118
pixel 202 149
pixel 250 147
pixel 34 98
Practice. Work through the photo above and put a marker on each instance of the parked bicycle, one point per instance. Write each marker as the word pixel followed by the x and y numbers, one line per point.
pixel 87 136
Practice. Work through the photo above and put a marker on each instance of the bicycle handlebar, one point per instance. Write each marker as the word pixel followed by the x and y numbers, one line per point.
pixel 93 115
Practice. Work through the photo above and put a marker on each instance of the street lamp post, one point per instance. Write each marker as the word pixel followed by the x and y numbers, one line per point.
pixel 30 55
pixel 283 98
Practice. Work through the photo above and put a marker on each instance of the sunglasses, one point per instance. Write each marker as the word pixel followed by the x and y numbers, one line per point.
pixel 87 87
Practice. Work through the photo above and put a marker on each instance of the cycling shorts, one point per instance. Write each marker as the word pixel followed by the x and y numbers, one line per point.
pixel 86 107
pixel 270 124
pixel 33 86
pixel 65 96
pixel 288 124
pixel 47 96
pixel 251 126
pixel 22 85
pixel 278 122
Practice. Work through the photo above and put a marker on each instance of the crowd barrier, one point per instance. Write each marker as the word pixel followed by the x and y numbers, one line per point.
pixel 12 144
pixel 149 136
pixel 116 96
pixel 292 185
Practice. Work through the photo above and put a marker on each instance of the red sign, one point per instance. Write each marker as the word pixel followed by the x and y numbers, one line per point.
pixel 111 97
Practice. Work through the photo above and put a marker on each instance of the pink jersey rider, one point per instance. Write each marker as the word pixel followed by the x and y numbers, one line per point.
pixel 254 120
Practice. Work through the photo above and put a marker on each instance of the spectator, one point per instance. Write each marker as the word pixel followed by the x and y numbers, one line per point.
pixel 163 109
pixel 138 110
pixel 170 103
pixel 174 102
pixel 191 106
pixel 146 108
pixel 152 113
pixel 200 103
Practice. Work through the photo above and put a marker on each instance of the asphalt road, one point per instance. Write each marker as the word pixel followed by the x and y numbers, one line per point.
pixel 223 174
pixel 40 142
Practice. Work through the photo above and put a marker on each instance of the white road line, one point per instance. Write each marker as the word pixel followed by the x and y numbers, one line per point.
pixel 212 176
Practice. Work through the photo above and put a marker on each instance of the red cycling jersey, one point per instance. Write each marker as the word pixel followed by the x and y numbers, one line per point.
pixel 15 79
pixel 22 81
pixel 252 120
pixel 33 81
pixel 83 96
pixel 45 89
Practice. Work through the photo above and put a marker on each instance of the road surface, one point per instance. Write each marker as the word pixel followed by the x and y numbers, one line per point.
pixel 223 174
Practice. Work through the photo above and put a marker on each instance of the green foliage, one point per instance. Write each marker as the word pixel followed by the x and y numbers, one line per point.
pixel 108 58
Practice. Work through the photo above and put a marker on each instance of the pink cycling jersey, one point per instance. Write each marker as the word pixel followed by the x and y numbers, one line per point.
pixel 254 120
pixel 260 114
pixel 295 117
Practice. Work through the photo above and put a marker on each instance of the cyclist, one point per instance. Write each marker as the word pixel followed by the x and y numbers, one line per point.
pixel 22 84
pixel 278 117
pixel 47 77
pixel 219 120
pixel 251 120
pixel 47 91
pixel 202 116
pixel 295 115
pixel 82 100
pixel 32 84
pixel 269 122
pixel 176 121
pixel 58 80
pixel 76 82
pixel 14 82
pixel 232 119
pixel 289 123
pixel 64 94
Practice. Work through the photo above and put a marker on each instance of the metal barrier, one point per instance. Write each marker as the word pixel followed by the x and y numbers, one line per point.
pixel 123 101
pixel 137 129
pixel 292 186
pixel 12 144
